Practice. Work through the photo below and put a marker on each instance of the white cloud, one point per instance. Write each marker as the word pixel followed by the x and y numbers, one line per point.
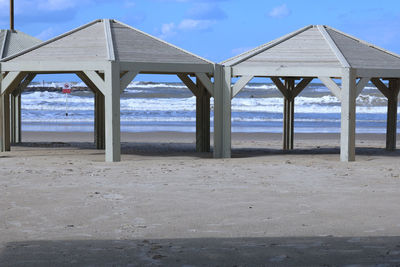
pixel 167 30
pixel 46 34
pixel 279 11
pixel 129 4
pixel 54 5
pixel 196 24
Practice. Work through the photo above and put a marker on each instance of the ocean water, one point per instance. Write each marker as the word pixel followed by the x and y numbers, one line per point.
pixel 171 107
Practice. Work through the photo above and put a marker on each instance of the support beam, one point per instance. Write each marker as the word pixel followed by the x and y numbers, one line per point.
pixel 288 115
pixel 99 112
pixel 381 86
pixel 335 89
pixel 189 84
pixel 361 85
pixel 5 122
pixel 202 119
pixel 348 116
pixel 15 110
pixel 112 112
pixel 391 128
pixel 301 86
pixel 99 117
pixel 240 84
pixel 127 78
pixel 222 111
pixel 289 91
pixel 11 81
pixel 15 118
pixel 97 80
pixel 205 80
pixel 281 87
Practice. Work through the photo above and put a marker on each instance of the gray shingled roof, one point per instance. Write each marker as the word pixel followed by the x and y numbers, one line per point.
pixel 317 46
pixel 96 40
pixel 13 42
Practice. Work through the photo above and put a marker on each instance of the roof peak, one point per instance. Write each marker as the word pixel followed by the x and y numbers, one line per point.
pixel 113 40
pixel 338 42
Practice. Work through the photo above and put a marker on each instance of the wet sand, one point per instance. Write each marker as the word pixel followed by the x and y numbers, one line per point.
pixel 164 204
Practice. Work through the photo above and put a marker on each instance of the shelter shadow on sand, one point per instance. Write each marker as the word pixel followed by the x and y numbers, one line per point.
pixel 280 251
pixel 362 151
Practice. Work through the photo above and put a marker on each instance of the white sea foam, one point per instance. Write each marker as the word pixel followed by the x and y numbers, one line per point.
pixel 155 85
pixel 324 104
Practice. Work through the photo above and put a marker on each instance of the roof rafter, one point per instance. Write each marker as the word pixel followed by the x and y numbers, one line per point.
pixel 109 40
pixel 333 46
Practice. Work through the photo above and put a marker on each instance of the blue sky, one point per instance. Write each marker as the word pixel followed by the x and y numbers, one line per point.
pixel 214 29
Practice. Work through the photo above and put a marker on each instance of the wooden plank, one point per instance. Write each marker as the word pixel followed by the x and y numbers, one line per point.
pixel 284 71
pixel 189 84
pixel 52 66
pixel 391 127
pixel 348 117
pixel 301 86
pixel 2 137
pixel 6 137
pixel 222 112
pixel 202 120
pixel 167 68
pixel 205 80
pixel 127 79
pixel 96 80
pixel 333 46
pixel 99 112
pixel 240 84
pixel 361 84
pixel 50 41
pixel 109 40
pixel 281 87
pixel 11 81
pixel 332 86
pixel 245 56
pixel 112 113
pixel 3 45
pixel 288 116
pixel 381 87
pixel 174 52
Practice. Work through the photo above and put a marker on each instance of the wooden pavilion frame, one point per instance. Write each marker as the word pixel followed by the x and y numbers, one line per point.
pixel 107 55
pixel 12 42
pixel 318 51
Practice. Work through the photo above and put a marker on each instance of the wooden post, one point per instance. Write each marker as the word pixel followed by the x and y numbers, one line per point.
pixel 5 122
pixel 112 112
pixel 12 15
pixel 288 115
pixel 222 111
pixel 2 146
pixel 391 127
pixel 202 119
pixel 15 116
pixel 99 126
pixel 348 116
pixel 12 118
pixel 17 129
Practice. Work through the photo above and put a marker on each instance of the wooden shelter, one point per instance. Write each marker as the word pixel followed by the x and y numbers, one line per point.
pixel 318 51
pixel 12 42
pixel 107 55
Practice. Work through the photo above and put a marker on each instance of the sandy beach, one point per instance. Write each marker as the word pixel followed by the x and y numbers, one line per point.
pixel 165 205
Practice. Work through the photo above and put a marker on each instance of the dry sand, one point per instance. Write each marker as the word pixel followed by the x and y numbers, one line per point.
pixel 60 204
